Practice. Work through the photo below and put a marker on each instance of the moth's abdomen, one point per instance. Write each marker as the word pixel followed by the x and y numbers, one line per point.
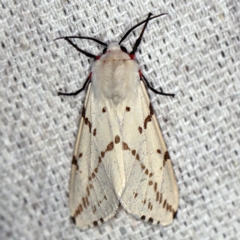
pixel 115 76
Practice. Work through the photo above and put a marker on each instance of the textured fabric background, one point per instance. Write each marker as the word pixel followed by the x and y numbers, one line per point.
pixel 193 52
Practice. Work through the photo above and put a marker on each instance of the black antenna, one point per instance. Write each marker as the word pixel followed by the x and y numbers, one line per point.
pixel 67 38
pixel 79 49
pixel 83 37
pixel 138 41
pixel 131 29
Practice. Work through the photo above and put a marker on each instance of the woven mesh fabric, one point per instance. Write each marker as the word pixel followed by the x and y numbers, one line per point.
pixel 193 52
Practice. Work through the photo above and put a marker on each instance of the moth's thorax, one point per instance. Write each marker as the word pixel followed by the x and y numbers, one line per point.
pixel 114 75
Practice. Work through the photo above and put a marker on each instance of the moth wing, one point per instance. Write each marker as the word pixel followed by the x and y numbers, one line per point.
pixel 151 190
pixel 92 198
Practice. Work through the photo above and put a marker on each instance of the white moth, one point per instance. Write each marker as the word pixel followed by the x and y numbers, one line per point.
pixel 120 157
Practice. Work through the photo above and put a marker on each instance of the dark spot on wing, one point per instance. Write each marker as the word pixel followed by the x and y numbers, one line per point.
pixel 74 162
pixel 140 130
pixel 125 146
pixel 83 112
pixel 73 220
pixel 127 109
pixel 166 157
pixel 88 191
pixel 150 220
pixel 151 109
pixel 110 146
pixel 149 117
pixel 117 139
pixel 155 186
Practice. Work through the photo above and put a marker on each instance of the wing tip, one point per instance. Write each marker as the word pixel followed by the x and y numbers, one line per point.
pixel 95 223
pixel 175 214
pixel 73 220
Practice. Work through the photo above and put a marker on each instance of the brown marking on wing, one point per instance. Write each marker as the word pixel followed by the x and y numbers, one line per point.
pixel 88 191
pixel 83 112
pixel 149 205
pixel 133 152
pixel 137 157
pixel 84 202
pixel 160 199
pixel 117 139
pixel 94 209
pixel 127 109
pixel 102 154
pixel 164 203
pixel 96 170
pixel 101 220
pixel 86 121
pixel 95 223
pixel 125 146
pixel 149 117
pixel 150 174
pixel 78 210
pixel 143 217
pixel 151 109
pixel 94 132
pixel 87 202
pixel 80 155
pixel 166 157
pixel 157 196
pixel 74 162
pixel 109 147
pixel 135 195
pixel 150 183
pixel 159 151
pixel 150 220
pixel 99 160
pixel 104 110
pixel 140 130
pixel 155 187
pixel 146 171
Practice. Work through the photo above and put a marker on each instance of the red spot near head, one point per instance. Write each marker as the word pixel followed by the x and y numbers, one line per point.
pixel 140 73
pixel 132 56
pixel 97 57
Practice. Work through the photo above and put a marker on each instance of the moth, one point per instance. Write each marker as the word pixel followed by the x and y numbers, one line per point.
pixel 120 157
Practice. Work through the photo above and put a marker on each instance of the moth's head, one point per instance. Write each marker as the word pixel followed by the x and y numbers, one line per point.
pixel 114 46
